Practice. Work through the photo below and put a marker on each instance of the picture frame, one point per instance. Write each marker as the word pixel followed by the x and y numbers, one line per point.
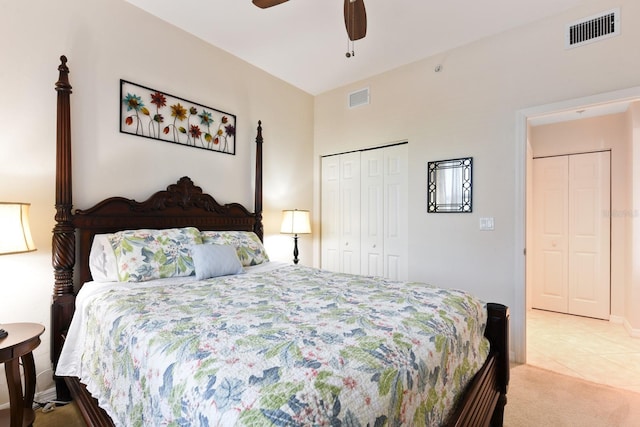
pixel 158 115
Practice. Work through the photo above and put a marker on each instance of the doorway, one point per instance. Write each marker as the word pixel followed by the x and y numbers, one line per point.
pixel 563 111
pixel 527 119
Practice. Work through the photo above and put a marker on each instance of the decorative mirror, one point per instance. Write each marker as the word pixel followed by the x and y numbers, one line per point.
pixel 449 185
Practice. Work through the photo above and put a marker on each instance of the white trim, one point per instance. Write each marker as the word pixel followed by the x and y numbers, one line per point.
pixel 518 311
pixel 633 332
pixel 46 396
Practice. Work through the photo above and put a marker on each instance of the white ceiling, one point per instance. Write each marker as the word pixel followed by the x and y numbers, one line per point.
pixel 304 42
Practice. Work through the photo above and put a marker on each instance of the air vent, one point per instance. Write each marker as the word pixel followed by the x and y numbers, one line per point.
pixel 593 28
pixel 359 97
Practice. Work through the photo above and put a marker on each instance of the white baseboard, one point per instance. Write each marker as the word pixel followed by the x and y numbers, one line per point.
pixel 616 319
pixel 41 397
pixel 46 396
pixel 633 332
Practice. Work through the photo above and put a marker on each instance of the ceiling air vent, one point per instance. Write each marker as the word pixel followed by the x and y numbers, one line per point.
pixel 593 28
pixel 359 97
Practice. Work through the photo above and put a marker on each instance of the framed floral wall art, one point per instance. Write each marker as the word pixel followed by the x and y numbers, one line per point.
pixel 157 115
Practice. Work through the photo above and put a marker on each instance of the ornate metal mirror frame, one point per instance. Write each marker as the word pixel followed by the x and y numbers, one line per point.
pixel 449 185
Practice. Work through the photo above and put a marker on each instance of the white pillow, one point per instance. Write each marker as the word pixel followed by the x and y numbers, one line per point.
pixel 215 260
pixel 102 260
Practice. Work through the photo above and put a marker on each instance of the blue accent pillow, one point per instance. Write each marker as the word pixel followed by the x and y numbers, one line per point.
pixel 215 260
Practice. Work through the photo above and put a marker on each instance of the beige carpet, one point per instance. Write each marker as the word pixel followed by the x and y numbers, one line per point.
pixel 538 397
pixel 62 416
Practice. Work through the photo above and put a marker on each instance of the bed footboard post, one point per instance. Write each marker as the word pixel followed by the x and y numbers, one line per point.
pixel 497 332
pixel 63 242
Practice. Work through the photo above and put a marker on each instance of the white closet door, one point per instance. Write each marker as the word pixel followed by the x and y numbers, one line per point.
pixel 349 252
pixel 551 242
pixel 330 211
pixel 396 213
pixel 365 212
pixel 372 205
pixel 571 201
pixel 589 235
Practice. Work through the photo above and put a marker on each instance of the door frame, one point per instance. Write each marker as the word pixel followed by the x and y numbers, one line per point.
pixel 518 313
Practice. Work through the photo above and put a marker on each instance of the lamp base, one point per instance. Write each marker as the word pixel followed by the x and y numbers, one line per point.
pixel 295 249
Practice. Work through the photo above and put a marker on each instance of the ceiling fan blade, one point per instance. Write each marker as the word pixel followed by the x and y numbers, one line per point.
pixel 263 4
pixel 355 19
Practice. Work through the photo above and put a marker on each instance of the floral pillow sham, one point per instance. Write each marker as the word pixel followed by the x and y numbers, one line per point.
pixel 248 246
pixel 147 254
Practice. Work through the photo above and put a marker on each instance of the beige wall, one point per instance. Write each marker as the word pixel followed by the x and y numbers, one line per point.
pixel 106 40
pixel 633 290
pixel 470 108
pixel 610 132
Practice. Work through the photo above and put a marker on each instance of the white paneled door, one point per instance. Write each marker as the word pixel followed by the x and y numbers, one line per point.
pixel 571 243
pixel 384 201
pixel 350 213
pixel 364 212
pixel 341 213
pixel 330 213
pixel 372 217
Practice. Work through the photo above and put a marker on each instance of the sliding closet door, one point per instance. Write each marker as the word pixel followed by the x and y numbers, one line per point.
pixel 571 201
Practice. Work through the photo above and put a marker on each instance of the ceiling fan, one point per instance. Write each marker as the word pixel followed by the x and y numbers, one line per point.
pixel 355 16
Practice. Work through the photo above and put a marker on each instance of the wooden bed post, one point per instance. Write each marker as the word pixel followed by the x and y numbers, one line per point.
pixel 498 334
pixel 63 245
pixel 259 229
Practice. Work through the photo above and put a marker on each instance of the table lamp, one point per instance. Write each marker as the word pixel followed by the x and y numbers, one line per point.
pixel 295 222
pixel 15 234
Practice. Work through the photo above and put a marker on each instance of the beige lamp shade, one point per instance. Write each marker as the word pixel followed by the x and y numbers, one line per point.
pixel 15 234
pixel 295 222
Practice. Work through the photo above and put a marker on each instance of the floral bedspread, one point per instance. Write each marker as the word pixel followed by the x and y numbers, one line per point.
pixel 292 347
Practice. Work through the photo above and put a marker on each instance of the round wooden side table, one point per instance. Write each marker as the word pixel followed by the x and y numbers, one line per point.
pixel 23 338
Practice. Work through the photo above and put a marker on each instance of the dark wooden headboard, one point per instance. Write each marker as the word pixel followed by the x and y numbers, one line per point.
pixel 181 204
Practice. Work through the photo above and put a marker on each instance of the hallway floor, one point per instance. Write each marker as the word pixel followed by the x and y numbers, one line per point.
pixel 591 349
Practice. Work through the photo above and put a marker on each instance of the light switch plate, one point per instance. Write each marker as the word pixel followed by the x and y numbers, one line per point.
pixel 486 224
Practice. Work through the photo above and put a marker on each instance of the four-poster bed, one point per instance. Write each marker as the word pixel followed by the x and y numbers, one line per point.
pixel 182 205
